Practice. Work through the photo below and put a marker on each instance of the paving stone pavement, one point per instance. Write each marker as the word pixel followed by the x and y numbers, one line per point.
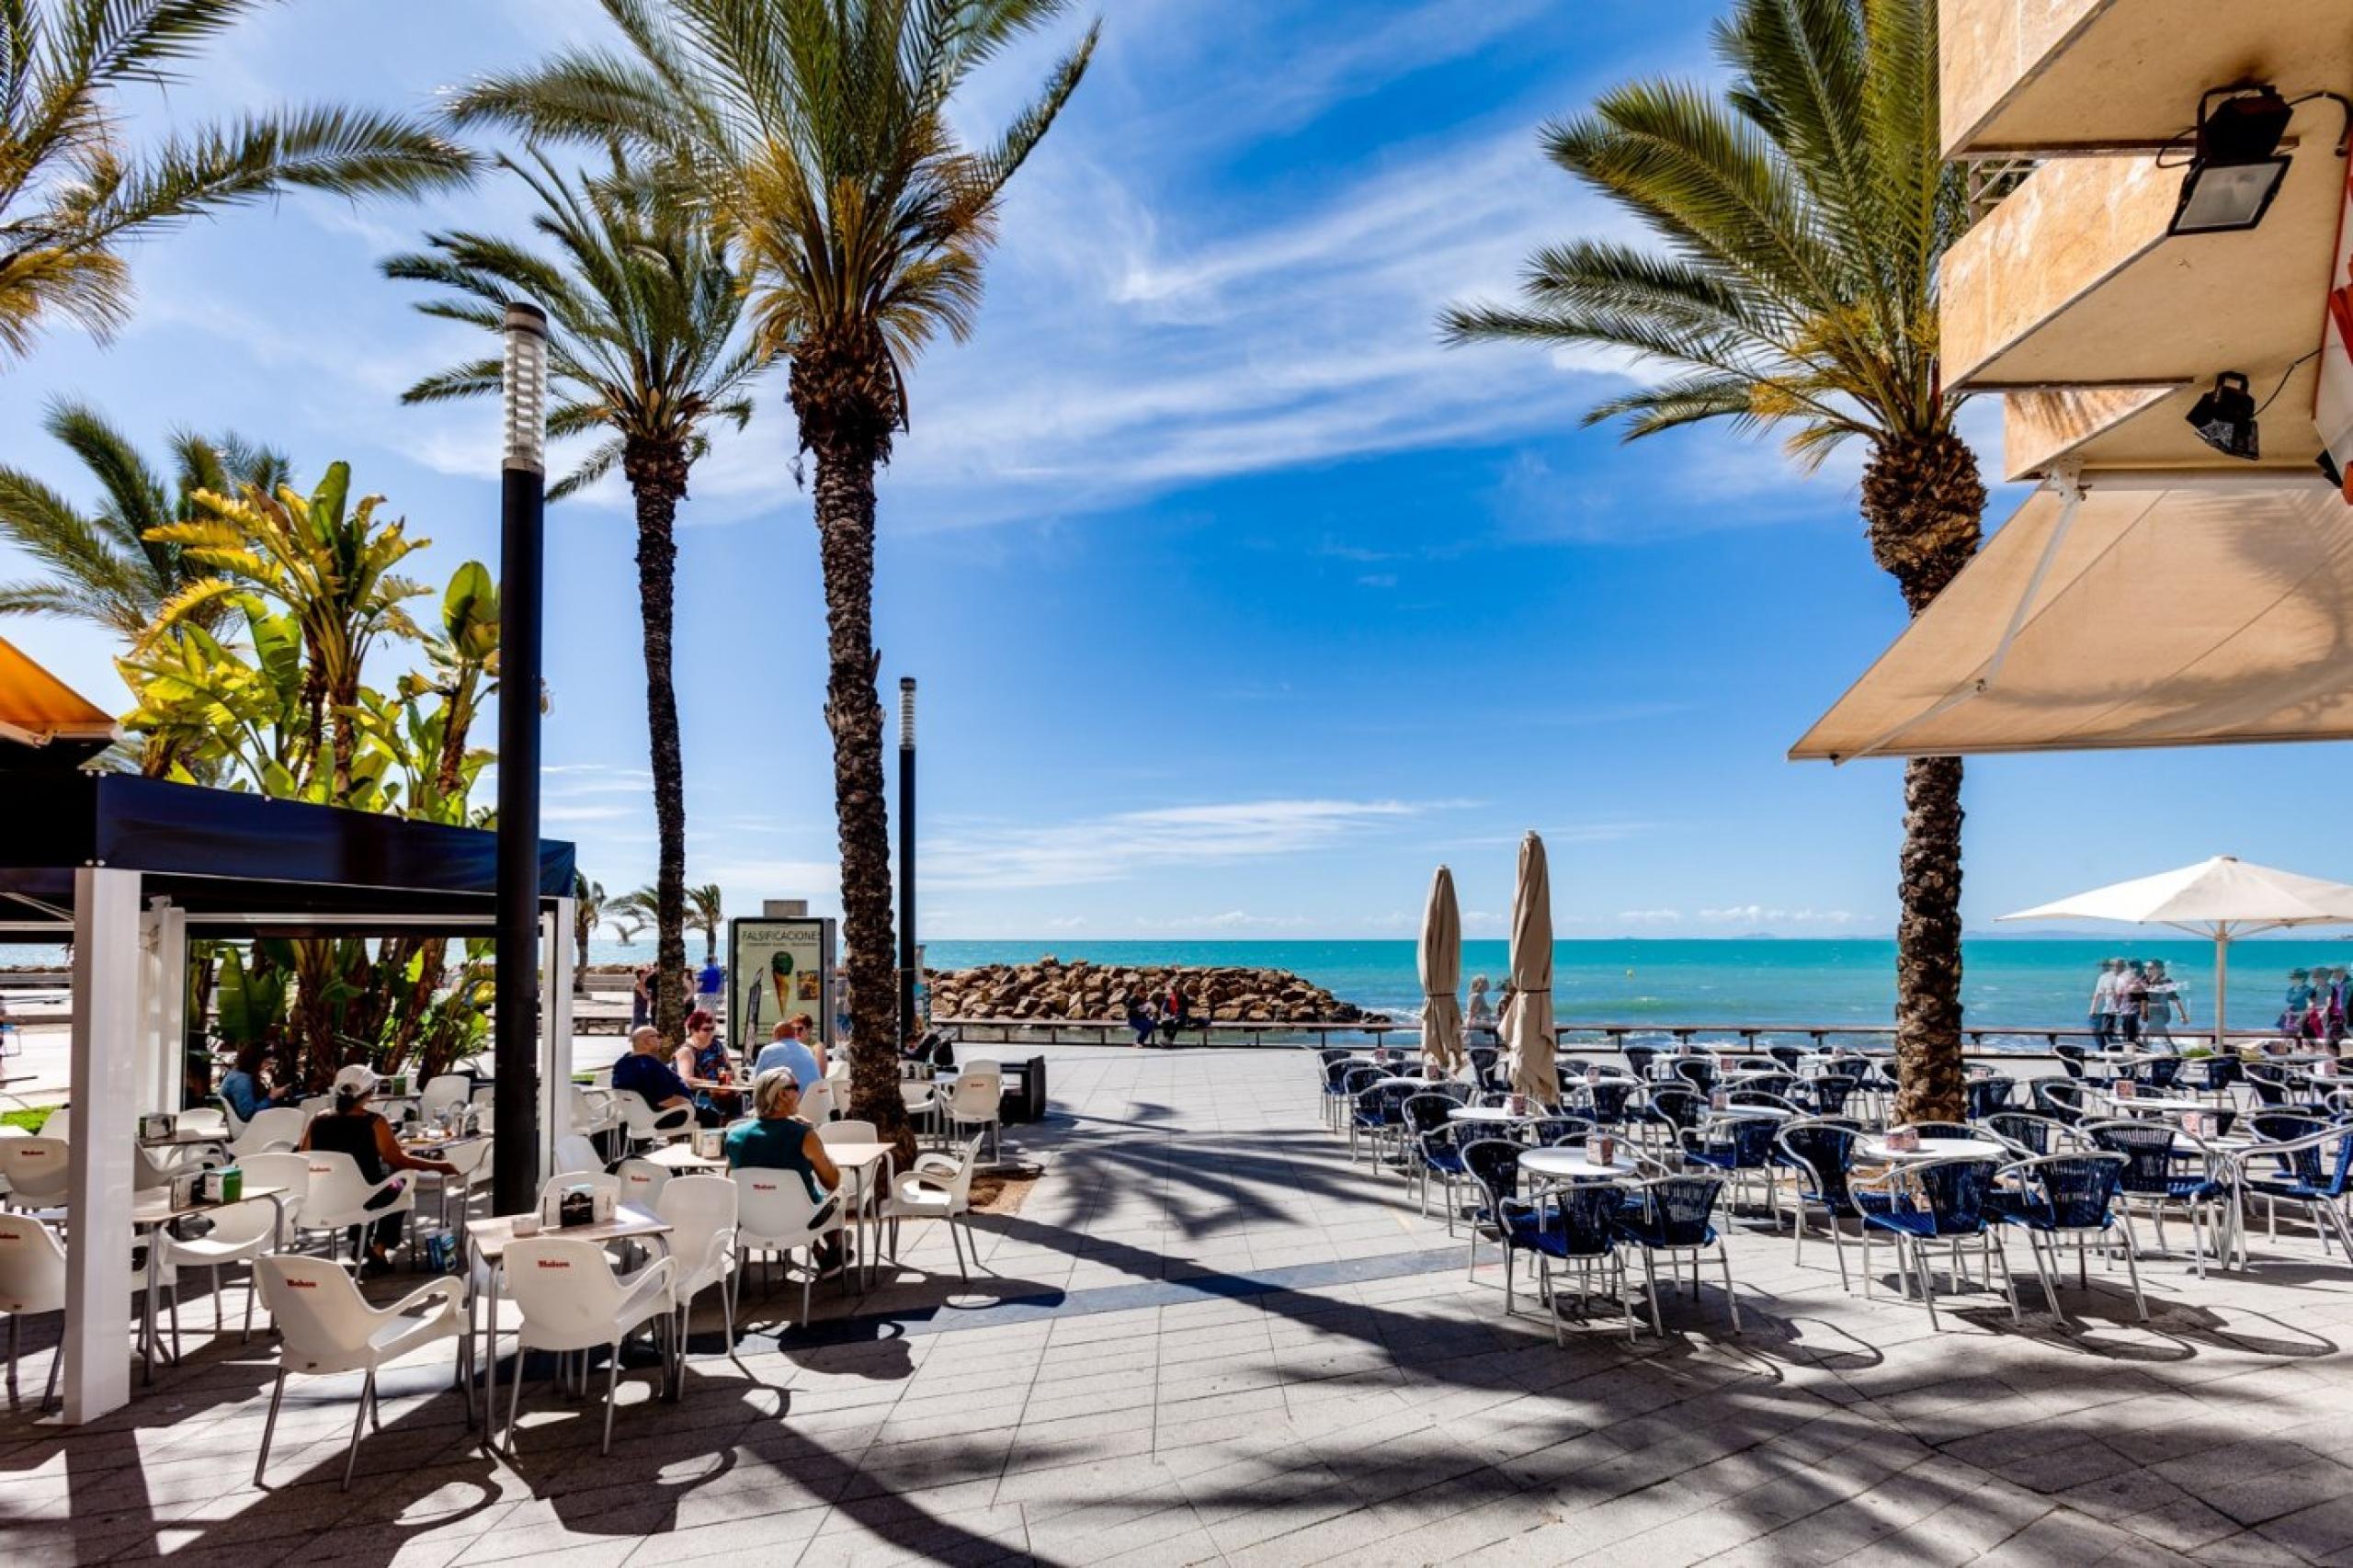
pixel 1206 1337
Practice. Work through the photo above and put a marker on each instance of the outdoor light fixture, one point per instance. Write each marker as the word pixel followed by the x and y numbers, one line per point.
pixel 2237 166
pixel 525 384
pixel 2224 417
pixel 909 966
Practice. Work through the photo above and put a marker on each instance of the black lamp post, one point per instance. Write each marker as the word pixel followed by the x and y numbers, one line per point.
pixel 907 975
pixel 515 1155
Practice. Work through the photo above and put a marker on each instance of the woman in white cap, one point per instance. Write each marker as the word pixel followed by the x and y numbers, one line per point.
pixel 352 1129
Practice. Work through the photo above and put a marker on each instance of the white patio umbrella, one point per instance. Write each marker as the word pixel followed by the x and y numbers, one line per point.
pixel 2221 900
pixel 1533 1072
pixel 1440 961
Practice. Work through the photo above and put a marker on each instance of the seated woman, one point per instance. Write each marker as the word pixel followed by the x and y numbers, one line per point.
pixel 703 1059
pixel 350 1128
pixel 777 1140
pixel 242 1087
pixel 644 1074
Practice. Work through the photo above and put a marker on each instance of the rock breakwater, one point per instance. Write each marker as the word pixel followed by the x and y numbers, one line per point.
pixel 1081 990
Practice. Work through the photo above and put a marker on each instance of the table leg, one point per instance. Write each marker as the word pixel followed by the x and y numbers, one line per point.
pixel 147 1308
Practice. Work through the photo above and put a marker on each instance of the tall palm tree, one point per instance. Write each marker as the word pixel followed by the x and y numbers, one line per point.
pixel 707 913
pixel 588 913
pixel 1799 217
pixel 818 132
pixel 102 567
pixel 73 192
pixel 642 348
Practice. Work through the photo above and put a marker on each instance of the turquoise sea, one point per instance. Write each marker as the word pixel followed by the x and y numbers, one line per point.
pixel 2007 983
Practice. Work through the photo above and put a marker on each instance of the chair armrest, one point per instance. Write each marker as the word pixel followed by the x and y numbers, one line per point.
pixel 452 1293
pixel 655 1275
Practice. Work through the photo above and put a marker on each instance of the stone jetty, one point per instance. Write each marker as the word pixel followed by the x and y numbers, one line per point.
pixel 1080 991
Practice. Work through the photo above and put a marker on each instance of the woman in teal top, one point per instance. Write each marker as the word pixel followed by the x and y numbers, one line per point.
pixel 777 1140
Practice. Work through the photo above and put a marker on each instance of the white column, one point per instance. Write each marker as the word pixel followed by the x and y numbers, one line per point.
pixel 555 1031
pixel 103 1074
pixel 163 946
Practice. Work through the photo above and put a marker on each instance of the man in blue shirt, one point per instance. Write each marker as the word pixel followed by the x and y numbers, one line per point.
pixel 646 1073
pixel 787 1050
pixel 709 983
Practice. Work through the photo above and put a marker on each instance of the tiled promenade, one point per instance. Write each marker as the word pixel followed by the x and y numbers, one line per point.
pixel 1206 1339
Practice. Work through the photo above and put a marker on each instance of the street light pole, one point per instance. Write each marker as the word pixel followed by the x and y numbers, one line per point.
pixel 515 1175
pixel 907 975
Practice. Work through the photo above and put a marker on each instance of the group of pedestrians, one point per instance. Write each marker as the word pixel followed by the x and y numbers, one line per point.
pixel 2316 1005
pixel 1172 1012
pixel 2137 1001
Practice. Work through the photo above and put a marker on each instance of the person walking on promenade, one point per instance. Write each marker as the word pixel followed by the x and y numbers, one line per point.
pixel 2165 1006
pixel 2103 1013
pixel 2132 1000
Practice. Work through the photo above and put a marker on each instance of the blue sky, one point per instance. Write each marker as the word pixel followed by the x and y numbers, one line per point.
pixel 1237 601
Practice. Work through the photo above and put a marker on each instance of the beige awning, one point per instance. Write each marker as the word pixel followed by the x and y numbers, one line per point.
pixel 2149 613
pixel 36 708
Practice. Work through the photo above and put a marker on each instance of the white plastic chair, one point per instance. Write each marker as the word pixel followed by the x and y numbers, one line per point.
pixel 575 1152
pixel 32 1279
pixel 938 1188
pixel 242 1233
pixel 35 1170
pixel 593 1110
pixel 58 1123
pixel 327 1327
pixel 641 1182
pixel 976 1100
pixel 472 1157
pixel 646 1125
pixel 340 1196
pixel 701 1213
pixel 564 1181
pixel 317 1104
pixel 276 1131
pixel 571 1299
pixel 443 1094
pixel 206 1121
pixel 290 1173
pixel 774 1213
pixel 849 1130
pixel 817 1102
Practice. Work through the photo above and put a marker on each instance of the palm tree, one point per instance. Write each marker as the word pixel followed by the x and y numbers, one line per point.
pixel 71 193
pixel 642 315
pixel 706 914
pixel 1800 217
pixel 587 913
pixel 819 135
pixel 102 567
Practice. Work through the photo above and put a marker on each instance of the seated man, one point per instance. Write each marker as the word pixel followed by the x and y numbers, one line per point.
pixel 777 1140
pixel 646 1074
pixel 789 1048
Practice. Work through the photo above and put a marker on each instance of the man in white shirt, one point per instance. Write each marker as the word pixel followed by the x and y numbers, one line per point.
pixel 2105 1001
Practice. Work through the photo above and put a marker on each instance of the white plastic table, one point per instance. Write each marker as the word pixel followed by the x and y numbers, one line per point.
pixel 1574 1161
pixel 1937 1148
pixel 1494 1114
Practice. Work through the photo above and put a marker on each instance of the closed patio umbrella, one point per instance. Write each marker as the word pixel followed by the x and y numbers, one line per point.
pixel 2221 900
pixel 1440 960
pixel 1533 1072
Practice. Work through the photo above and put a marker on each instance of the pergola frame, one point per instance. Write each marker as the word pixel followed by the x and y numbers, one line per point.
pixel 127 869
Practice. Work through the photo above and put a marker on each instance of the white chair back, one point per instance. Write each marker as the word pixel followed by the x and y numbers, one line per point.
pixel 701 1211
pixel 848 1129
pixel 443 1094
pixel 592 1109
pixel 641 1182
pixel 32 1266
pixel 338 1194
pixel 207 1121
pixel 575 1152
pixel 773 1207
pixel 817 1102
pixel 58 1123
pixel 976 1096
pixel 288 1172
pixel 317 1104
pixel 565 1288
pixel 323 1320
pixel 35 1170
pixel 272 1131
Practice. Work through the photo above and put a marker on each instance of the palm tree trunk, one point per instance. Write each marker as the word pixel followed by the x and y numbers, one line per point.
pixel 845 509
pixel 657 478
pixel 1924 503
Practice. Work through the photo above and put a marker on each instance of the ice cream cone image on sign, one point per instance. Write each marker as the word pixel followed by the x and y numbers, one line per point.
pixel 781 976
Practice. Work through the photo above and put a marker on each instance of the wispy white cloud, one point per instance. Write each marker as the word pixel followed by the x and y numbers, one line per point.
pixel 1111 849
pixel 1767 915
pixel 1650 917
